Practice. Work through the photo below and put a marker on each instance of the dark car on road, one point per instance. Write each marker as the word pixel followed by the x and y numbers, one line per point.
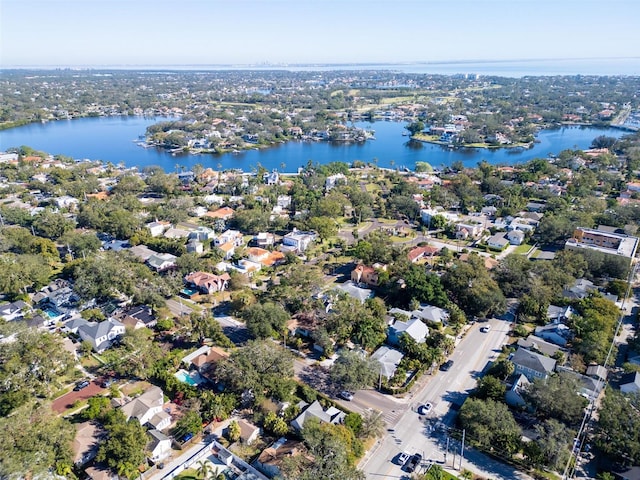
pixel 414 461
pixel 80 385
pixel 446 365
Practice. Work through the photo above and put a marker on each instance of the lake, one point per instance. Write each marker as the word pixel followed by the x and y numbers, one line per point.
pixel 114 139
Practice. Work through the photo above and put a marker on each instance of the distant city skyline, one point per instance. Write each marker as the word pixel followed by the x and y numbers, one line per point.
pixel 276 32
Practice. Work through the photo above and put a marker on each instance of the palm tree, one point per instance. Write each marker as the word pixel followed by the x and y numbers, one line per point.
pixel 372 424
pixel 466 474
pixel 205 469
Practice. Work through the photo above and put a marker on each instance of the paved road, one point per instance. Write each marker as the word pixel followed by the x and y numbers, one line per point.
pixel 412 433
pixel 235 330
pixel 178 308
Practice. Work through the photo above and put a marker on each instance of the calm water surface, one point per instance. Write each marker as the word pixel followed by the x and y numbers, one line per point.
pixel 114 139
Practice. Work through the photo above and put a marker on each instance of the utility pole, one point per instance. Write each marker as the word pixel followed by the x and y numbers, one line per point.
pixel 446 450
pixel 462 448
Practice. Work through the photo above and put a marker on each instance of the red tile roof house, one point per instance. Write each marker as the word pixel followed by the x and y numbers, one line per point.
pixel 419 253
pixel 207 283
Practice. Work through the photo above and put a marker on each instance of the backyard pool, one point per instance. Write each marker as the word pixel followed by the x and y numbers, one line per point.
pixel 190 378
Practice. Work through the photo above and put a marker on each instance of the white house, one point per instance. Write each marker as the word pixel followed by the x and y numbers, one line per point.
pixel 147 408
pixel 333 180
pixel 161 261
pixel 497 241
pixel 515 237
pixel 298 241
pixel 101 335
pixel 159 446
pixel 156 228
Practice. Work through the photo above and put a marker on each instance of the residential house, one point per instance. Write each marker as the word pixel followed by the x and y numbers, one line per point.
pixel 333 180
pixel 223 213
pixel 175 233
pixel 115 245
pixel 272 178
pixel 367 275
pixel 228 250
pixel 418 253
pixel 303 325
pixel 85 445
pixel 330 415
pixel 142 252
pixel 556 333
pixel 204 359
pixel 249 433
pixel 354 291
pixel 497 241
pixel 388 359
pixel 515 237
pixel 161 262
pixel 13 310
pixel 264 257
pixel 230 236
pixel 426 215
pixel 207 283
pixel 579 290
pixel 159 446
pixel 429 313
pixel 630 383
pixel 102 334
pixel 270 460
pixel 413 327
pixel 195 246
pixel 66 201
pixel 465 230
pixel 598 372
pixel 148 409
pixel 532 365
pixel 297 241
pixel 72 325
pixel 138 316
pixel 263 239
pixel 540 345
pixel 284 202
pixel 557 314
pixel 156 228
pixel 513 396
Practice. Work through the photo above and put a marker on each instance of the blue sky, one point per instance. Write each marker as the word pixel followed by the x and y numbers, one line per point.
pixel 188 32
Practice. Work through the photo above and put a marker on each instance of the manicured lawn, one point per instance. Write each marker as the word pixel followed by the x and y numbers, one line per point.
pixel 522 249
pixel 189 474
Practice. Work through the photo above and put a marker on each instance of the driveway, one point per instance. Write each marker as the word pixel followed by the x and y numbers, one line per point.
pixel 66 401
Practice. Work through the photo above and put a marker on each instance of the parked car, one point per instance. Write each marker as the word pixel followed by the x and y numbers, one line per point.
pixel 106 383
pixel 346 395
pixel 80 385
pixel 413 463
pixel 486 328
pixel 402 458
pixel 446 365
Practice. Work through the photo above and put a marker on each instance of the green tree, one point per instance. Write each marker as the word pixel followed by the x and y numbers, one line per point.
pixel 490 424
pixel 233 432
pixel 259 367
pixel 617 432
pixel 123 450
pixel 275 424
pixel 352 371
pixel 33 441
pixel 189 423
pixel 490 387
pixel 265 320
pixel 557 397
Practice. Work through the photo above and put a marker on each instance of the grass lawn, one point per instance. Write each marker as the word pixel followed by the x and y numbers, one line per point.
pixel 522 249
pixel 189 474
pixel 372 188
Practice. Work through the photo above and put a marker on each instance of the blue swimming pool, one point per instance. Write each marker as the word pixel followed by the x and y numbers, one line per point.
pixel 194 378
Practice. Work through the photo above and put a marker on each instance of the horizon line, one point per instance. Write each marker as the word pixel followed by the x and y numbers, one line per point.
pixel 310 64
